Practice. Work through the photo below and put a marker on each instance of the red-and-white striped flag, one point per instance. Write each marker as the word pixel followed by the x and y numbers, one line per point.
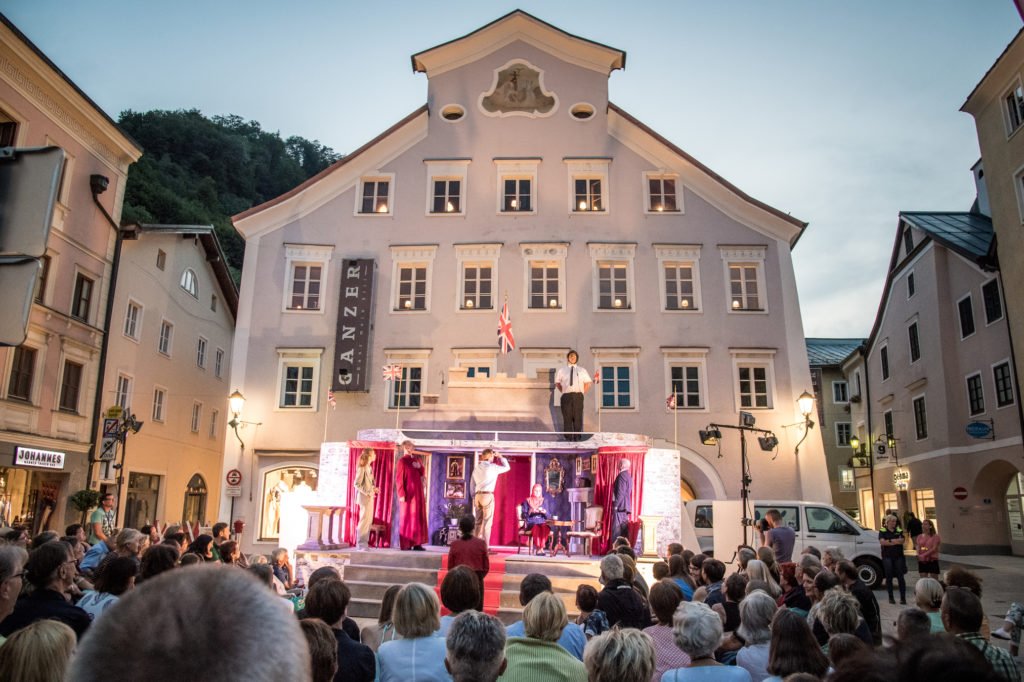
pixel 392 372
pixel 506 342
pixel 330 399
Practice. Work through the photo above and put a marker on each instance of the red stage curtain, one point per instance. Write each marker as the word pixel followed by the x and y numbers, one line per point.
pixel 383 476
pixel 513 487
pixel 607 469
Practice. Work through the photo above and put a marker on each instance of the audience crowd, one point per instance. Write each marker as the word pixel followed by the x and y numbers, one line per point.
pixel 138 604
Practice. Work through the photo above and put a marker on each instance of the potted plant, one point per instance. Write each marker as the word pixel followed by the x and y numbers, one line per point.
pixel 84 500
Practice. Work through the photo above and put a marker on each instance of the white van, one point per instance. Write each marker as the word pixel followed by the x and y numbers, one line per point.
pixel 817 524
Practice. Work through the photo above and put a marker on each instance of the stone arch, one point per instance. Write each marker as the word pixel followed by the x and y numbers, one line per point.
pixel 993 479
pixel 699 474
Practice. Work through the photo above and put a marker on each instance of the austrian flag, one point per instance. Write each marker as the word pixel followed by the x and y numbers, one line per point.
pixel 506 342
pixel 392 372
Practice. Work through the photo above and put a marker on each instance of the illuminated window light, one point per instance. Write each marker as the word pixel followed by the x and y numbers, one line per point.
pixel 735 304
pixel 617 303
pixel 450 207
pixel 684 303
pixel 382 207
pixel 514 204
pixel 469 303
pixel 583 206
pixel 407 303
pixel 553 303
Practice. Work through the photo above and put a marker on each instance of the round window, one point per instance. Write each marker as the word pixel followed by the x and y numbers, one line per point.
pixel 582 111
pixel 452 112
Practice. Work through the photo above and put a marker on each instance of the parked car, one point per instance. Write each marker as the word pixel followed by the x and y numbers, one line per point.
pixel 815 523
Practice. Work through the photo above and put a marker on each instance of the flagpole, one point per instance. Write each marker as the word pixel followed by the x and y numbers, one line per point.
pixel 327 415
pixel 675 420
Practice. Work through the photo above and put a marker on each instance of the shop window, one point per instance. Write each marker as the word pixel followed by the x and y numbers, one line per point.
pixel 276 484
pixel 141 499
pixel 194 508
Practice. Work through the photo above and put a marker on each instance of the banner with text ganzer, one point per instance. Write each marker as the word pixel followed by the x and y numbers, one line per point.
pixel 355 316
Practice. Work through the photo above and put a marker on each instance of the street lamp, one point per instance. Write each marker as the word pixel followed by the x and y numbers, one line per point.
pixel 806 405
pixel 128 423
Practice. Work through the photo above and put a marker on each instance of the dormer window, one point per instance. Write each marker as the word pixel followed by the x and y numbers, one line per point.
pixel 190 283
pixel 446 187
pixel 662 193
pixel 588 183
pixel 375 197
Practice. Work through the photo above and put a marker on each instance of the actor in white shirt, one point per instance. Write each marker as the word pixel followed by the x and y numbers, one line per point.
pixel 485 477
pixel 573 382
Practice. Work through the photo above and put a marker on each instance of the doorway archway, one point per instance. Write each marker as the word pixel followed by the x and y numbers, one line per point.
pixel 998 491
pixel 194 508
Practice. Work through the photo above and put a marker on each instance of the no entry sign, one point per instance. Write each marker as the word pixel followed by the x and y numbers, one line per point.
pixel 960 493
pixel 234 477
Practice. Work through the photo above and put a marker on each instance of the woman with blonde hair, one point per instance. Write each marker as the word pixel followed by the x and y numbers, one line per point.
pixel 419 655
pixel 758 570
pixel 538 655
pixel 928 595
pixel 620 656
pixel 40 652
pixel 366 493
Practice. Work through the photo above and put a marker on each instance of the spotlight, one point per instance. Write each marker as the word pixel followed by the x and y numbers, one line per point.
pixel 769 442
pixel 747 420
pixel 710 436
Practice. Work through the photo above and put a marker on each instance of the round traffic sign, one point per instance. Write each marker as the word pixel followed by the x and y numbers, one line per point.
pixel 234 477
pixel 960 493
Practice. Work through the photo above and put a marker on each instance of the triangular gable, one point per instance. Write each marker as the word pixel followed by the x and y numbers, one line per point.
pixel 518 25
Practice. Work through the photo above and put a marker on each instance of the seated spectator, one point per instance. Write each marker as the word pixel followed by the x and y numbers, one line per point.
pixel 460 591
pixel 842 647
pixel 729 610
pixel 43 538
pixel 756 613
pixel 419 655
pixel 621 655
pixel 12 561
pixel 51 571
pixel 830 557
pixel 744 555
pixel 193 559
pixel 475 648
pixel 928 594
pixel 323 649
pixel 962 616
pixel 793 648
pixel 665 599
pixel 816 589
pixel 471 552
pixel 350 627
pixel 231 554
pixel 158 558
pixel 758 570
pixel 812 551
pixel 184 625
pixel 620 602
pixel 673 549
pixel 698 631
pixel 76 531
pixel 911 623
pixel 766 555
pixel 263 575
pixel 808 564
pixel 659 570
pixel 678 572
pixel 116 578
pixel 840 613
pixel 958 576
pixel 202 547
pixel 221 534
pixel 282 567
pixel 127 544
pixel 847 573
pixel 176 540
pixel 592 620
pixel 714 571
pixel 152 533
pixel 793 596
pixel 537 656
pixel 696 562
pixel 39 652
pixel 634 578
pixel 95 555
pixel 572 638
pixel 328 600
pixel 383 630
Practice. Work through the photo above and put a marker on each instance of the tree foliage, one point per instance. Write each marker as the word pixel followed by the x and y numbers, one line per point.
pixel 199 170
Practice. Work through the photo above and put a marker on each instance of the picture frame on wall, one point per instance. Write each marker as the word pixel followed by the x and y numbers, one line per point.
pixel 586 464
pixel 456 467
pixel 593 463
pixel 455 490
pixel 579 465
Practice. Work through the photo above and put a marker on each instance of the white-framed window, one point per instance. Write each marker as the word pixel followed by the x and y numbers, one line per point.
pixel 679 269
pixel 190 283
pixel 479 362
pixel 588 185
pixel 686 376
pixel 612 276
pixel 197 416
pixel 201 353
pixel 992 301
pixel 843 434
pixel 914 342
pixel 911 284
pixel 975 394
pixel 306 266
pixel 298 378
pixel 920 418
pixel 965 312
pixel 218 363
pixel 544 276
pixel 856 385
pixel 616 378
pixel 81 298
pixel 214 415
pixel 478 276
pixel 517 186
pixel 883 361
pixel 662 193
pixel 375 192
pixel 133 320
pixel 446 187
pixel 163 344
pixel 159 403
pixel 410 278
pixel 847 479
pixel 1002 377
pixel 123 391
pixel 753 378
pixel 1013 107
pixel 70 386
pixel 406 393
pixel 840 392
pixel 744 278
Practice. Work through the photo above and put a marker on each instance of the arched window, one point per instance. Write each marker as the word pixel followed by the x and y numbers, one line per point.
pixel 195 501
pixel 277 482
pixel 189 282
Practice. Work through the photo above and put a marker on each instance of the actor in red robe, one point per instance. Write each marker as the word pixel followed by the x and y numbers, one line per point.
pixel 412 500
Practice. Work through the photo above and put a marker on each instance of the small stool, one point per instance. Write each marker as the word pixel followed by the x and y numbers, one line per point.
pixel 377 535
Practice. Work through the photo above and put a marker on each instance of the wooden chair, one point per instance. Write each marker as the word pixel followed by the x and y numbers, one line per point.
pixel 523 533
pixel 592 528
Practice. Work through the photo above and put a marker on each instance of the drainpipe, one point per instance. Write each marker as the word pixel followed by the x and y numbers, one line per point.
pixel 98 185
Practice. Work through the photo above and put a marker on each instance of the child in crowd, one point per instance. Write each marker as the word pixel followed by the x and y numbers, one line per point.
pixel 592 620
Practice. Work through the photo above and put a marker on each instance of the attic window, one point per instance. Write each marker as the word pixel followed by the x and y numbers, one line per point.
pixel 452 112
pixel 582 111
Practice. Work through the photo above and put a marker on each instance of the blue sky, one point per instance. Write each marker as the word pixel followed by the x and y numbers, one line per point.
pixel 842 114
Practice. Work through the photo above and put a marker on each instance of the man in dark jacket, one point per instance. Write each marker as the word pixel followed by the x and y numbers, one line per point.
pixel 622 500
pixel 622 604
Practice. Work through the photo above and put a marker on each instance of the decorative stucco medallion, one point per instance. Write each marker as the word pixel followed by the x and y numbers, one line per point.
pixel 518 89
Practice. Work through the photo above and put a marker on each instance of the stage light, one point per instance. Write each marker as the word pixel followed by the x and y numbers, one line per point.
pixel 710 436
pixel 769 442
pixel 747 420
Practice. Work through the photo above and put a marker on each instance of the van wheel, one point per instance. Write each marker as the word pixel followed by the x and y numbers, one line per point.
pixel 869 571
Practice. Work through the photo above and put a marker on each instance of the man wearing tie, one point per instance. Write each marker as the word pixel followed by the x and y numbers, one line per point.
pixel 573 382
pixel 485 477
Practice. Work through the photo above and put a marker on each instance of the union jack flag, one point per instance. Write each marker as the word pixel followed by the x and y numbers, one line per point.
pixel 506 342
pixel 392 372
pixel 331 400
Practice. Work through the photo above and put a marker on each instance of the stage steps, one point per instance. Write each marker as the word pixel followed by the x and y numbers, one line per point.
pixel 565 573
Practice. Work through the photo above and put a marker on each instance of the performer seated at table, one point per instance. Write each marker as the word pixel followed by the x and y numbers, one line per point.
pixel 535 518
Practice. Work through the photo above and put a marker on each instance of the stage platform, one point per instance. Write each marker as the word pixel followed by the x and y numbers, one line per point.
pixel 369 573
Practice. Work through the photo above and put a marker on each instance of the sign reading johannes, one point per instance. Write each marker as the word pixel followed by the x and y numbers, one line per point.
pixel 352 341
pixel 518 89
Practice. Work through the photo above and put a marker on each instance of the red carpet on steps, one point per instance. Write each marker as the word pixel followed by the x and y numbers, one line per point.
pixel 492 583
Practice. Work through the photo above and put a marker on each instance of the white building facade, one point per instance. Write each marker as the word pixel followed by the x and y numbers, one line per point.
pixel 519 181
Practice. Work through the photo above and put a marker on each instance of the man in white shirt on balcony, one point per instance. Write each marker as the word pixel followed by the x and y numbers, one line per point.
pixel 573 382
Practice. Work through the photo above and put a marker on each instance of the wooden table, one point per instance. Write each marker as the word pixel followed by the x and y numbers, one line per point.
pixel 558 537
